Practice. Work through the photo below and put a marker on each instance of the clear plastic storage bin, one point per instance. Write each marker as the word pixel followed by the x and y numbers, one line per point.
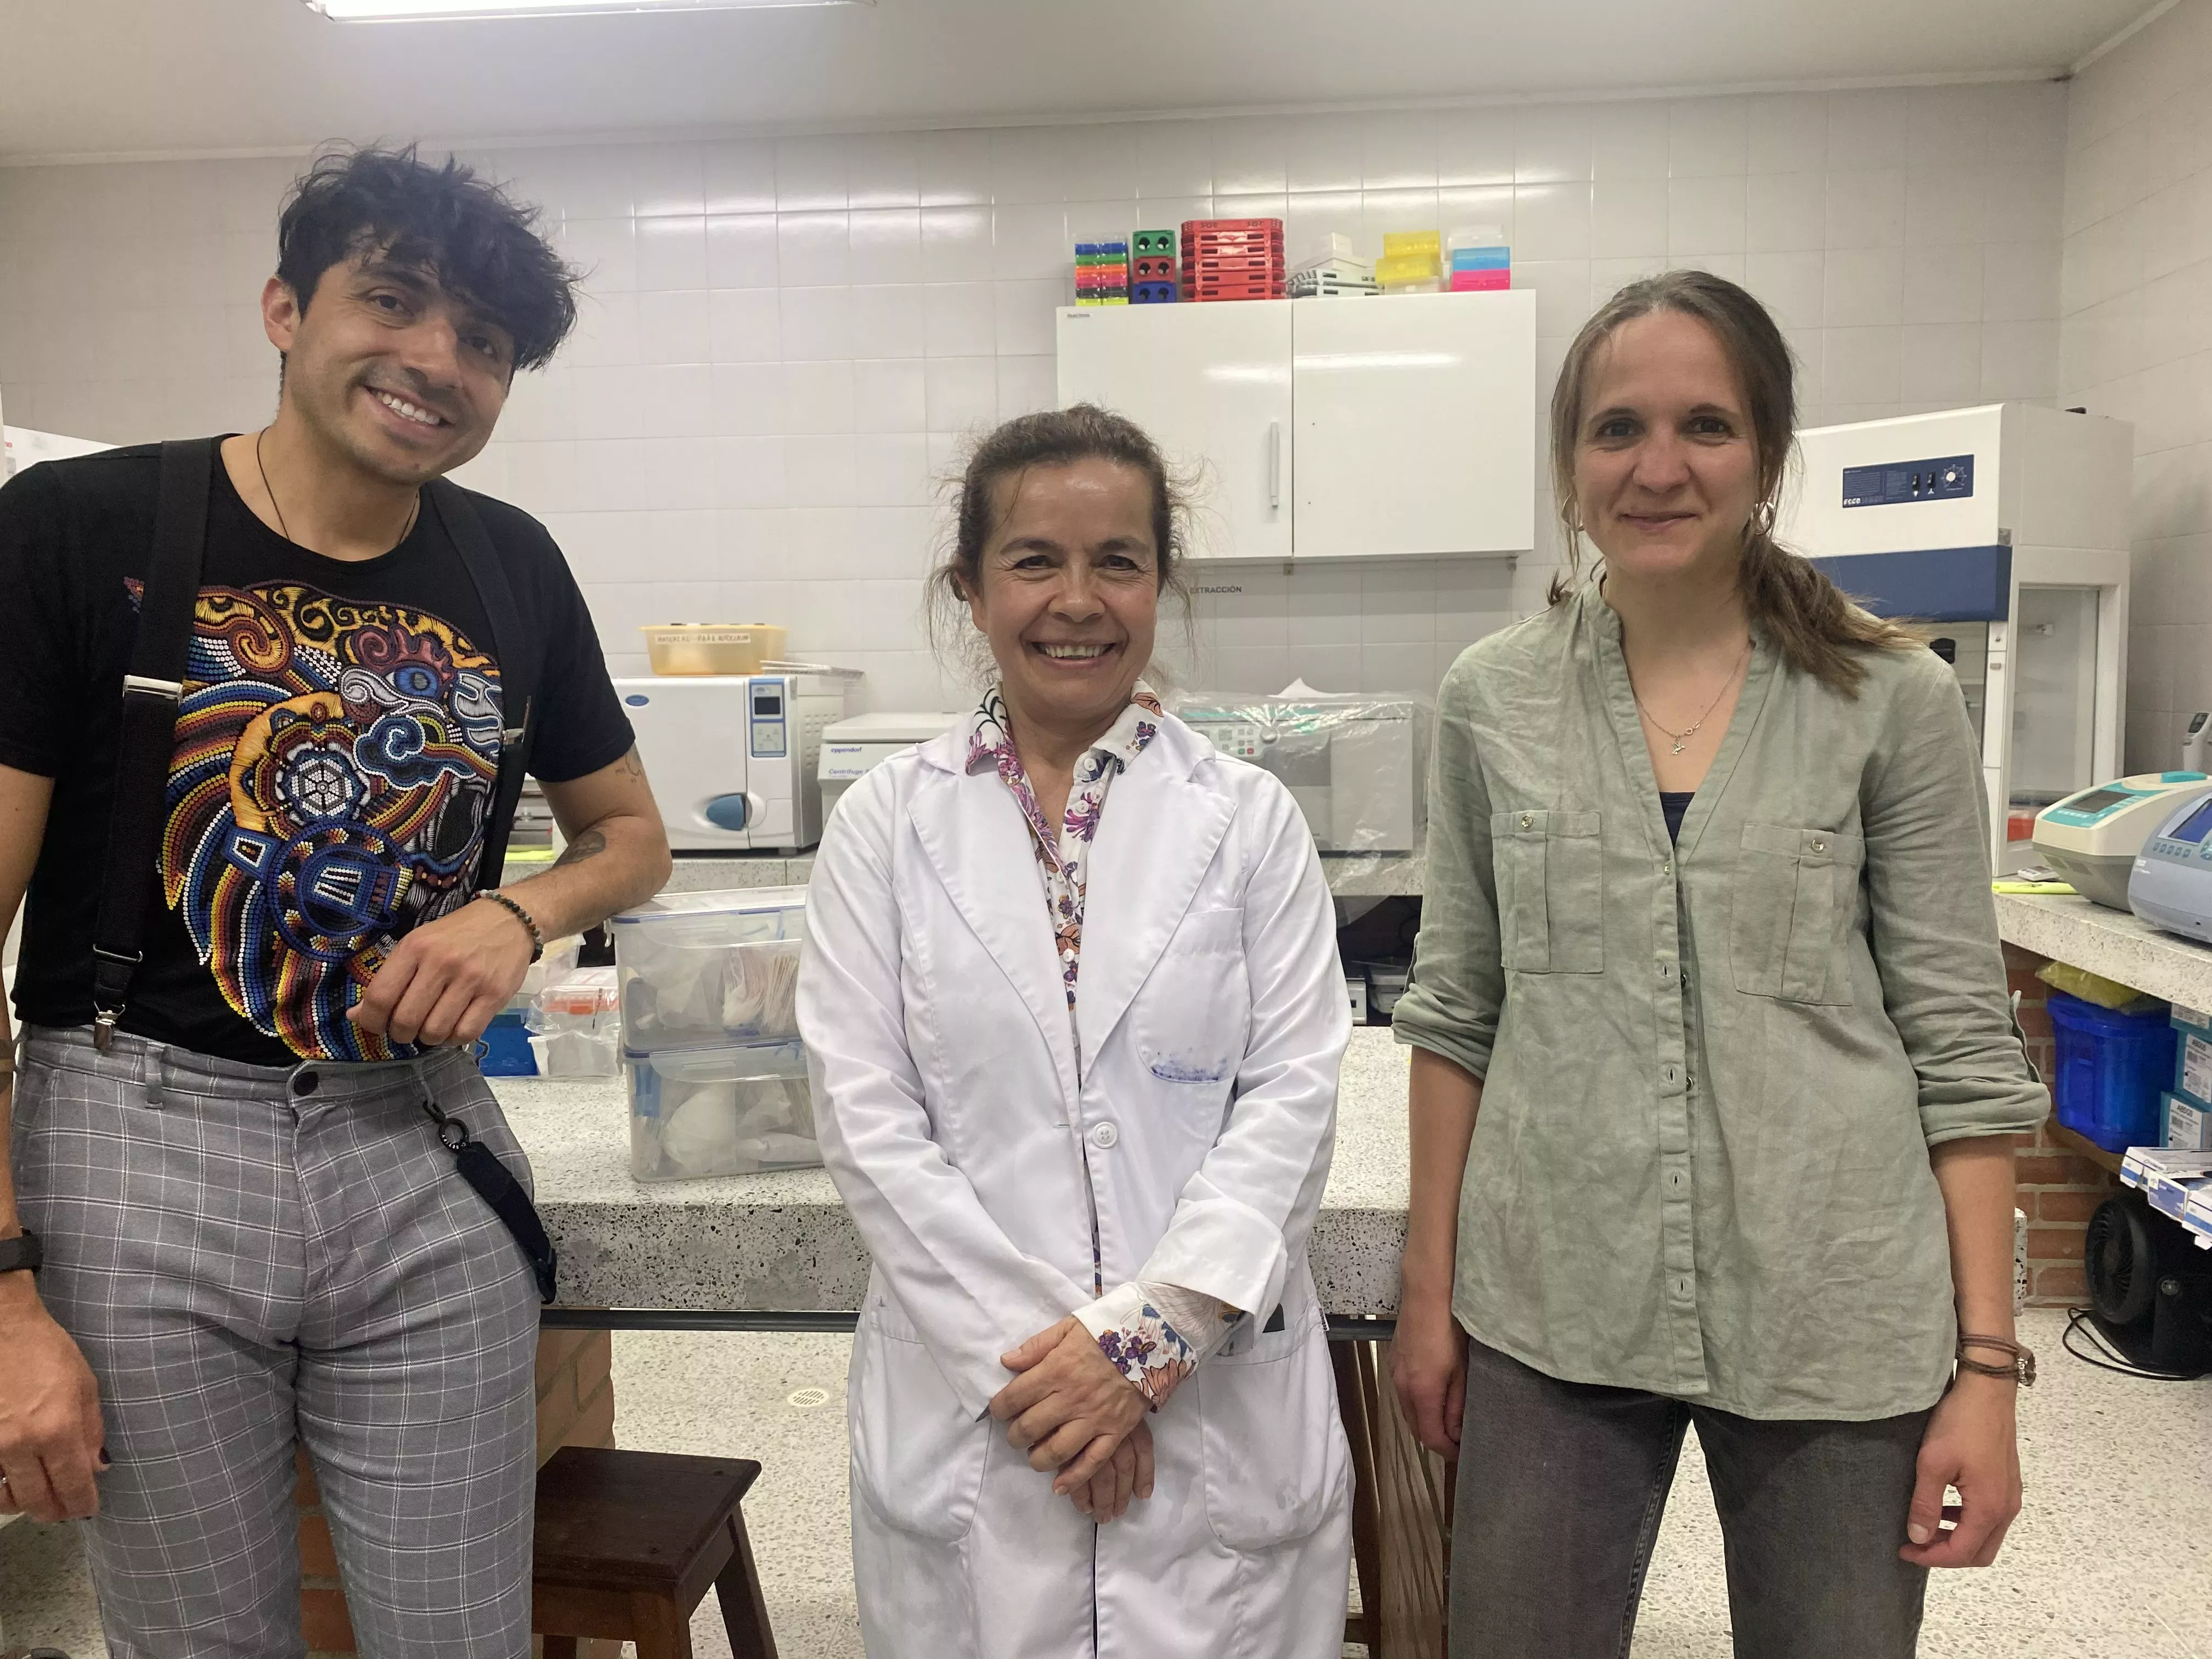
pixel 703 971
pixel 723 1111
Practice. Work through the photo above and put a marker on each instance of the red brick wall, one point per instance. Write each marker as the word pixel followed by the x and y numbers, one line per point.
pixel 575 1407
pixel 2060 1189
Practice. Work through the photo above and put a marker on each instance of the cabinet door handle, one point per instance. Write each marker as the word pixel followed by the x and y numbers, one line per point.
pixel 1275 464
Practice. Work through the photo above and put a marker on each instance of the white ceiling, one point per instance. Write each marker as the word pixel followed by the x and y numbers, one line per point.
pixel 110 77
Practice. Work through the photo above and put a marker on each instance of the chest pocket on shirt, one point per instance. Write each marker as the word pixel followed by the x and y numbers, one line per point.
pixel 1792 910
pixel 1551 891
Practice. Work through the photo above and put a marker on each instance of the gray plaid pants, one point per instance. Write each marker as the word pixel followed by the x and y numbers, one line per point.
pixel 254 1257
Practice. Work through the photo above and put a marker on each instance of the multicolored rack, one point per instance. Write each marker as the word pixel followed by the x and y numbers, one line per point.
pixel 1152 267
pixel 1102 273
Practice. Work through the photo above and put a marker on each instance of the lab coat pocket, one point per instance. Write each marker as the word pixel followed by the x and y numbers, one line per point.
pixel 1791 907
pixel 917 1457
pixel 1194 1013
pixel 1551 891
pixel 1271 1438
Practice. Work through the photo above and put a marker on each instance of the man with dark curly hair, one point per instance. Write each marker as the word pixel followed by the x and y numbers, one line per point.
pixel 260 1197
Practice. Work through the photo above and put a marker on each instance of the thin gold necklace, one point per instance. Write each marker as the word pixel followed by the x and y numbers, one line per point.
pixel 262 467
pixel 1682 738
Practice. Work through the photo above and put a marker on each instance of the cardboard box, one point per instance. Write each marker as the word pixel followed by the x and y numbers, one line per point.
pixel 2196 1217
pixel 2188 1129
pixel 2170 1194
pixel 2144 1166
pixel 2192 1067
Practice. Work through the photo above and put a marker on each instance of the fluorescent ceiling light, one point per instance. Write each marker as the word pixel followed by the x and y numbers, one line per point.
pixel 386 11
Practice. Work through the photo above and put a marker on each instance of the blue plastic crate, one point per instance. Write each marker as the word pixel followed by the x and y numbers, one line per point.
pixel 2113 1070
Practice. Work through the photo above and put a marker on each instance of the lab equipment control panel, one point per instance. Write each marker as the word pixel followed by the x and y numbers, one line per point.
pixel 2184 838
pixel 770 740
pixel 1893 482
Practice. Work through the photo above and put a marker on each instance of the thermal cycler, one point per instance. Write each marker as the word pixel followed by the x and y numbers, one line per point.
pixel 2171 887
pixel 2092 837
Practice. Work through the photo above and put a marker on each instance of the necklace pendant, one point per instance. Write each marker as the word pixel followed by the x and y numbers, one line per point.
pixel 1678 745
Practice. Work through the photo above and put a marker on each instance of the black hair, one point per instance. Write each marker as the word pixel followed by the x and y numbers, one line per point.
pixel 1052 437
pixel 443 220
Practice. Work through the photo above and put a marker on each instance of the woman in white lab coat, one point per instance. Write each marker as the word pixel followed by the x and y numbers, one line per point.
pixel 1074 1016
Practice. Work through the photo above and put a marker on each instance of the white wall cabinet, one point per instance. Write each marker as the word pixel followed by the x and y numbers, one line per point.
pixel 1330 428
pixel 1211 385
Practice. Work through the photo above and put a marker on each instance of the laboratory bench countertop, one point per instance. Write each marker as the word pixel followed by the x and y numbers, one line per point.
pixel 783 1242
pixel 2117 944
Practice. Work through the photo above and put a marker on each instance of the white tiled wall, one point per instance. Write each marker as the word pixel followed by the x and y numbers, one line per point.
pixel 785 339
pixel 2136 341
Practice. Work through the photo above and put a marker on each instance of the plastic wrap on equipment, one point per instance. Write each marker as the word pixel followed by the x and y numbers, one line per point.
pixel 1357 763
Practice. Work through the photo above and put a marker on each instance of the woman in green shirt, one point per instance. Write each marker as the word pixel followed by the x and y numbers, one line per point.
pixel 1714 1071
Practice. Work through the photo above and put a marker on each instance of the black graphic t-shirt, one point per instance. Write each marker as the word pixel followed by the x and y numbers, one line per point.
pixel 337 744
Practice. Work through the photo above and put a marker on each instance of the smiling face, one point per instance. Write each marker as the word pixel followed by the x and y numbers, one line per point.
pixel 1666 469
pixel 1066 591
pixel 388 371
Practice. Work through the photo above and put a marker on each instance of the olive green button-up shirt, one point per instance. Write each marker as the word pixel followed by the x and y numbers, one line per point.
pixel 1712 1071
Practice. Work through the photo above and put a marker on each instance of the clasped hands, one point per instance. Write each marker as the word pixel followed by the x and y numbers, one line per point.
pixel 1072 1412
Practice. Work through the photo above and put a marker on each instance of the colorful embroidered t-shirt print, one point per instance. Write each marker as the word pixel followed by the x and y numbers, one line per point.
pixel 334 768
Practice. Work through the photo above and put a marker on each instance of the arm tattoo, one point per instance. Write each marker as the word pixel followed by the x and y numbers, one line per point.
pixel 630 765
pixel 589 844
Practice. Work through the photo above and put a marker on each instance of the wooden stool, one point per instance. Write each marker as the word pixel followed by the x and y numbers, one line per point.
pixel 627 1544
pixel 1401 1513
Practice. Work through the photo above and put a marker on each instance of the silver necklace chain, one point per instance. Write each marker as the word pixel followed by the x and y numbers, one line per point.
pixel 262 467
pixel 1683 737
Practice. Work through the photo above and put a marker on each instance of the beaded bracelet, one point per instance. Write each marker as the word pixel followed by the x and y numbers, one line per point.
pixel 536 939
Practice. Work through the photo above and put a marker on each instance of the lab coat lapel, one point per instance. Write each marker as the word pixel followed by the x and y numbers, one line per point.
pixel 1156 841
pixel 971 830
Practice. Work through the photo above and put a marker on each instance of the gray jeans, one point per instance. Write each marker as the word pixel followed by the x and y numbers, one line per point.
pixel 1561 1486
pixel 253 1257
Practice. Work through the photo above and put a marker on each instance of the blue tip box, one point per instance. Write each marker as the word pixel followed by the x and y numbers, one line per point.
pixel 504 1049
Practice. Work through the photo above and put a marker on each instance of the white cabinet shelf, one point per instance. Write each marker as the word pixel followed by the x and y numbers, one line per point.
pixel 1329 429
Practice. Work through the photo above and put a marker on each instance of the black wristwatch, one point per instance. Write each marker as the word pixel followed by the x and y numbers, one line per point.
pixel 20 1254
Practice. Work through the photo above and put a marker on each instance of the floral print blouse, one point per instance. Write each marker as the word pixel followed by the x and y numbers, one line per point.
pixel 1155 1334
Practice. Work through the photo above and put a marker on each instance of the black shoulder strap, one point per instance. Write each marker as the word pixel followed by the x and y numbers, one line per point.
pixel 147 745
pixel 519 655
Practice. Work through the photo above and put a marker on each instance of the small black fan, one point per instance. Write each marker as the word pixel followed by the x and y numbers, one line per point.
pixel 2150 1289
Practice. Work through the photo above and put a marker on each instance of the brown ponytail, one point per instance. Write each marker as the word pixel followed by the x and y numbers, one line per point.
pixel 1810 620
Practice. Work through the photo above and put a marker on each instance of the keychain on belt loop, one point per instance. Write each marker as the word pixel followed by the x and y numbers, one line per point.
pixel 446 1123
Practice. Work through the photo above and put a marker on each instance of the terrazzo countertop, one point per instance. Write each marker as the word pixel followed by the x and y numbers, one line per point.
pixel 782 1242
pixel 2117 944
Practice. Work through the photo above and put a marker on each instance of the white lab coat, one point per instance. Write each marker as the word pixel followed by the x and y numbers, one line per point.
pixel 970 1146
